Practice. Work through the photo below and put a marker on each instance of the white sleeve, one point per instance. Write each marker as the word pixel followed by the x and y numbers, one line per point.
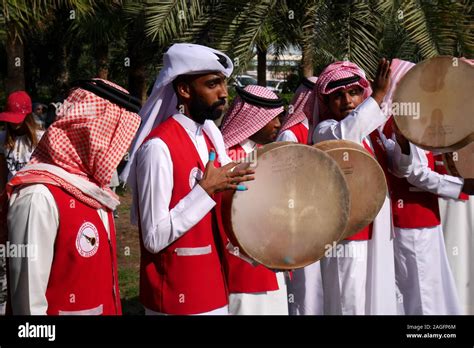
pixel 287 135
pixel 424 178
pixel 399 164
pixel 161 226
pixel 354 127
pixel 32 222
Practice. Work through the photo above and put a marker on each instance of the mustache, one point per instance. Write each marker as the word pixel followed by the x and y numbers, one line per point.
pixel 218 103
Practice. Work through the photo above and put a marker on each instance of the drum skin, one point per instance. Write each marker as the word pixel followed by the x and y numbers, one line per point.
pixel 293 211
pixel 365 179
pixel 440 88
pixel 461 162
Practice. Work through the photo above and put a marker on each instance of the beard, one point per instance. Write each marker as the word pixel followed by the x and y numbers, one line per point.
pixel 200 111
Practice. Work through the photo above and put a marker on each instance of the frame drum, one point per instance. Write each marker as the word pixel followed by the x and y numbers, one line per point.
pixel 461 162
pixel 365 178
pixel 433 104
pixel 293 211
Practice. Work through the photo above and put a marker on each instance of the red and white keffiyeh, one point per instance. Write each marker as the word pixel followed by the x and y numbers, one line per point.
pixel 242 120
pixel 334 72
pixel 298 111
pixel 81 150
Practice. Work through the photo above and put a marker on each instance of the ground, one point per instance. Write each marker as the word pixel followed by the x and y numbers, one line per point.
pixel 128 252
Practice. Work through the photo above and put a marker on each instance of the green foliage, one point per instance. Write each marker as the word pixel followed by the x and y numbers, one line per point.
pixel 361 31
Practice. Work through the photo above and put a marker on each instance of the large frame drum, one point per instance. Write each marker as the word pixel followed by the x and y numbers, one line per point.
pixel 365 179
pixel 461 162
pixel 433 104
pixel 293 211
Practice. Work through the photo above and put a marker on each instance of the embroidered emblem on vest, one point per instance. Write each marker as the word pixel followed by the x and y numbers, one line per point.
pixel 194 176
pixel 87 241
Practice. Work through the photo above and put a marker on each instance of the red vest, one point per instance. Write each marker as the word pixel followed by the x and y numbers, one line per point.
pixel 241 276
pixel 412 207
pixel 441 169
pixel 186 277
pixel 301 132
pixel 83 278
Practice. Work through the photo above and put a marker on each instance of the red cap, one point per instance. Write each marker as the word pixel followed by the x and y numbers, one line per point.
pixel 18 106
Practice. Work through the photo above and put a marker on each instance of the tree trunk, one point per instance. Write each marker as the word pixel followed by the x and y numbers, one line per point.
pixel 15 79
pixel 62 78
pixel 31 70
pixel 307 60
pixel 261 67
pixel 137 74
pixel 102 60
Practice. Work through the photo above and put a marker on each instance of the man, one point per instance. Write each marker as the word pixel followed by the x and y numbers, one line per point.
pixel 423 276
pixel 457 218
pixel 252 121
pixel 177 172
pixel 39 114
pixel 348 110
pixel 60 208
pixel 295 125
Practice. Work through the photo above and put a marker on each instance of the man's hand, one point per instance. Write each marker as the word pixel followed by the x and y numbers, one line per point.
pixel 220 179
pixel 401 140
pixel 468 187
pixel 382 80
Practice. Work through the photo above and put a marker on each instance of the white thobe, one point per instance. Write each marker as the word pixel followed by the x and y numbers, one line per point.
pixel 260 303
pixel 160 225
pixel 33 221
pixel 423 274
pixel 364 284
pixel 288 135
pixel 457 218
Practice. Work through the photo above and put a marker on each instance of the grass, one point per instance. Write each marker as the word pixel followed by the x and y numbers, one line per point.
pixel 128 256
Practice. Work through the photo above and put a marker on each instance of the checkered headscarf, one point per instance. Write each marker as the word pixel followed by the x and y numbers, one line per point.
pixel 86 143
pixel 242 120
pixel 298 111
pixel 334 72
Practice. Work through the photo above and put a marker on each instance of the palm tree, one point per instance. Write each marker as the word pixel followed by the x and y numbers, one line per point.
pixel 101 28
pixel 15 16
pixel 18 16
pixel 363 31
